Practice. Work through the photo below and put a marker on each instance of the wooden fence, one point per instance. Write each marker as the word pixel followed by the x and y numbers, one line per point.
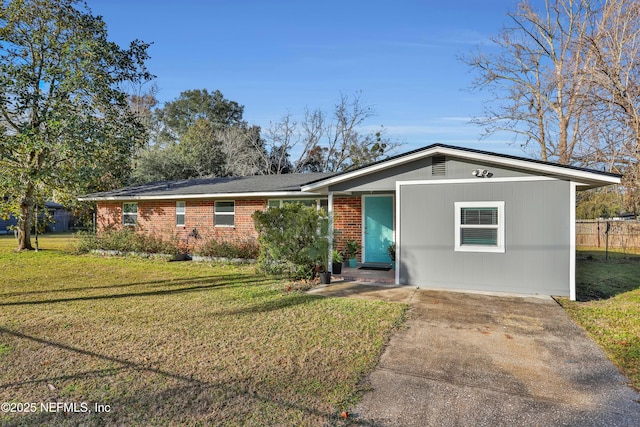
pixel 621 234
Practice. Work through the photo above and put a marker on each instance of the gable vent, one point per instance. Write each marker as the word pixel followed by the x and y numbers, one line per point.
pixel 438 165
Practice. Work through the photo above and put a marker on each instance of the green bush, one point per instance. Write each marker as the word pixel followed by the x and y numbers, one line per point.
pixel 290 238
pixel 125 240
pixel 247 249
pixel 86 242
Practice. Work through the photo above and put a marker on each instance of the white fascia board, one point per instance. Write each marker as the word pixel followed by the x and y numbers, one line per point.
pixel 367 170
pixel 263 195
pixel 476 180
pixel 572 174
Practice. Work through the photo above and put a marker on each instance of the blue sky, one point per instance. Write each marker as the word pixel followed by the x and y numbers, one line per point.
pixel 277 57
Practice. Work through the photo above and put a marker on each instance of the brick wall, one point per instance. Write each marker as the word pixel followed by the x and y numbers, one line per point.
pixel 159 218
pixel 347 221
pixel 109 215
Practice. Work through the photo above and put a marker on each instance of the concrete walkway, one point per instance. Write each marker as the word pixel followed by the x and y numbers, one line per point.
pixel 468 359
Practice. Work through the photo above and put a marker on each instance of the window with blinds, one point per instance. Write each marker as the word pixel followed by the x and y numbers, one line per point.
pixel 479 226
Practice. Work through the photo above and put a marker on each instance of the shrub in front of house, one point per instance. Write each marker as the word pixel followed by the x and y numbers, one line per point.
pixel 125 240
pixel 85 242
pixel 245 249
pixel 288 239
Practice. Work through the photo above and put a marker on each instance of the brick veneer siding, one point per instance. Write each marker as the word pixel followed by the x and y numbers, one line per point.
pixel 159 217
pixel 108 215
pixel 347 221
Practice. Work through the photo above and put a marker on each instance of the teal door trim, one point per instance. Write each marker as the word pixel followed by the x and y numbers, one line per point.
pixel 377 227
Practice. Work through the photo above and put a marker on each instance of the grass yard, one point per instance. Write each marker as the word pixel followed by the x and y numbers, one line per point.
pixel 175 343
pixel 608 306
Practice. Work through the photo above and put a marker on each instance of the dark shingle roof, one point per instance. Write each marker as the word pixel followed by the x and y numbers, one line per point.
pixel 289 182
pixel 208 186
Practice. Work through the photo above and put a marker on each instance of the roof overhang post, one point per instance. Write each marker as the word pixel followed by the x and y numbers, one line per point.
pixel 330 213
pixel 572 240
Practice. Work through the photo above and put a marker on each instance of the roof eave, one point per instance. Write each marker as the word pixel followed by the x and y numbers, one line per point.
pixel 243 195
pixel 591 179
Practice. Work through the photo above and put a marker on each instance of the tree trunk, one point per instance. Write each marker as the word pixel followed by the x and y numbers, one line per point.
pixel 25 219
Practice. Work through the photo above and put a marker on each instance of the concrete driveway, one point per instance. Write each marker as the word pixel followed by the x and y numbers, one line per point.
pixel 468 359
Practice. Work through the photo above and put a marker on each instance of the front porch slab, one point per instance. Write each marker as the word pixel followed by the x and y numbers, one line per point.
pixel 365 275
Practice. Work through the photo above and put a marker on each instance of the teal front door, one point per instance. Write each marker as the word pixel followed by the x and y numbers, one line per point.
pixel 378 228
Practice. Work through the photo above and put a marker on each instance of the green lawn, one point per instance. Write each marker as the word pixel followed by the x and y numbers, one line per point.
pixel 608 306
pixel 176 343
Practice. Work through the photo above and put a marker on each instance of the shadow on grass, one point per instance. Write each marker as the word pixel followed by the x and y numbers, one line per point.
pixel 187 397
pixel 598 278
pixel 197 285
pixel 150 283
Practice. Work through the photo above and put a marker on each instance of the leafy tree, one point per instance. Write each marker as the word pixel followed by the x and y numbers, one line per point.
pixel 599 203
pixel 158 164
pixel 201 150
pixel 177 116
pixel 65 125
pixel 200 134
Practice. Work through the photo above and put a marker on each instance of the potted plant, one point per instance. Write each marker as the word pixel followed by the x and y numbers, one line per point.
pixel 392 254
pixel 336 262
pixel 323 271
pixel 320 253
pixel 353 247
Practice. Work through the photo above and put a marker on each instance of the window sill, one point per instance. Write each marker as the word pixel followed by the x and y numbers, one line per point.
pixel 482 249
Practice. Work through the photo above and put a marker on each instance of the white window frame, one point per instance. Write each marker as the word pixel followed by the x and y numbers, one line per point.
pixel 216 213
pixel 500 247
pixel 129 215
pixel 181 210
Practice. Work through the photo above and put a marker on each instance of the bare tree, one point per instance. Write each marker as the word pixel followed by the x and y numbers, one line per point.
pixel 568 78
pixel 327 145
pixel 282 137
pixel 614 73
pixel 243 150
pixel 314 129
pixel 142 99
pixel 536 79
